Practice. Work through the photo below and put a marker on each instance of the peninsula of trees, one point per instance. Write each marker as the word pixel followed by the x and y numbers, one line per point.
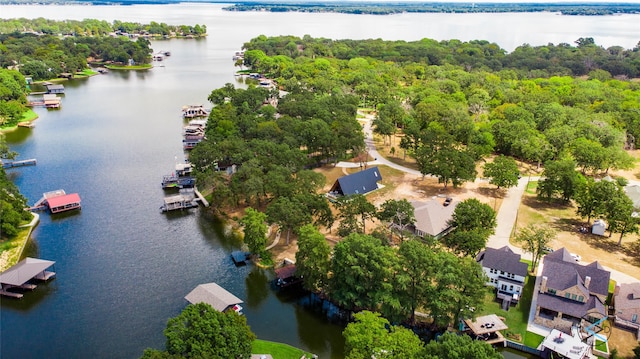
pixel 382 8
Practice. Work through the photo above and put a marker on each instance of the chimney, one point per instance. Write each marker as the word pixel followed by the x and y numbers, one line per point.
pixel 543 284
pixel 587 281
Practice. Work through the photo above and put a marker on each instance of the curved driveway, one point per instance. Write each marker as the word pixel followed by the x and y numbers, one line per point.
pixel 506 216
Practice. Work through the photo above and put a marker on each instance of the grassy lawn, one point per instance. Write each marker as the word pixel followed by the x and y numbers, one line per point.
pixel 277 350
pixel 10 249
pixel 516 318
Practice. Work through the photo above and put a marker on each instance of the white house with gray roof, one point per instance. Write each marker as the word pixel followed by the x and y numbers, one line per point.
pixel 504 271
pixel 570 293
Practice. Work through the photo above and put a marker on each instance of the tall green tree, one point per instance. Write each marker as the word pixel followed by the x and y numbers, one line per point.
pixel 255 230
pixel 503 172
pixel 534 240
pixel 414 283
pixel 354 211
pixel 289 214
pixel 361 269
pixel 203 332
pixel 400 213
pixel 312 258
pixel 451 345
pixel 372 336
pixel 560 178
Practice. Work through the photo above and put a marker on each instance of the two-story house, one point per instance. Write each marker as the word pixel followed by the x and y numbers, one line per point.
pixel 505 271
pixel 570 293
pixel 627 305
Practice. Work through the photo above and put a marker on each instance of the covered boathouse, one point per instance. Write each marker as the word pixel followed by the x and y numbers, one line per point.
pixel 18 276
pixel 216 296
pixel 66 202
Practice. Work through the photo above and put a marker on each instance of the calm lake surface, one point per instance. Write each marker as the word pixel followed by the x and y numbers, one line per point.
pixel 122 267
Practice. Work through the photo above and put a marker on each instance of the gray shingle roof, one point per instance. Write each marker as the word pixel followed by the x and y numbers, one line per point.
pixel 214 295
pixel 502 259
pixel 358 183
pixel 432 217
pixel 561 274
pixel 571 307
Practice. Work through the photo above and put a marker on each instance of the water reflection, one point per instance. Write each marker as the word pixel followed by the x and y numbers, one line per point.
pixel 257 286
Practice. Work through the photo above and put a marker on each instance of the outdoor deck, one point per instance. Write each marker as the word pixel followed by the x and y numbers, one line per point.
pixel 20 276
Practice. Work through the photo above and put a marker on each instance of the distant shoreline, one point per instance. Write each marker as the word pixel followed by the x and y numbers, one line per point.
pixel 379 7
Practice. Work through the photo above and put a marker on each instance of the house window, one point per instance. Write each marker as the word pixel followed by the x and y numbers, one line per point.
pixel 574 297
pixel 501 272
pixel 511 288
pixel 567 295
pixel 581 298
pixel 634 318
pixel 551 291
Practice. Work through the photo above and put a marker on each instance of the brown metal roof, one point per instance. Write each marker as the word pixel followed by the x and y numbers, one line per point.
pixel 285 272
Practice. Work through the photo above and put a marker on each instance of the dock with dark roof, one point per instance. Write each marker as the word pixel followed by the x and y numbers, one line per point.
pixel 19 276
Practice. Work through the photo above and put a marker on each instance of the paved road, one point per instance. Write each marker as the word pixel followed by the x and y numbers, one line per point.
pixel 506 216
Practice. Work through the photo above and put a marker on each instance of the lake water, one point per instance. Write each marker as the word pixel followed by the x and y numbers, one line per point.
pixel 122 267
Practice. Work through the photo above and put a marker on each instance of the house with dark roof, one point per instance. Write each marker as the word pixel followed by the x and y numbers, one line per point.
pixel 432 218
pixel 361 182
pixel 570 293
pixel 505 272
pixel 626 302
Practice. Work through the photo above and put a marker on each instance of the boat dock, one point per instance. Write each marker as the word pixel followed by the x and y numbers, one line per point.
pixel 15 280
pixel 12 164
pixel 57 201
pixel 200 197
pixel 26 125
pixel 194 111
pixel 184 200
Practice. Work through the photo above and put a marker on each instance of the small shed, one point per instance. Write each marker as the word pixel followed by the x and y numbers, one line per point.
pixel 599 226
pixel 216 296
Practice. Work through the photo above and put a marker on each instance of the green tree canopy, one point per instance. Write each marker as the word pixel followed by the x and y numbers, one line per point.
pixel 255 230
pixel 451 345
pixel 372 336
pixel 312 258
pixel 503 172
pixel 203 332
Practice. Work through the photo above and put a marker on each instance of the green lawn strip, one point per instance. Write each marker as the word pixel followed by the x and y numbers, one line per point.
pixel 531 187
pixel 533 340
pixel 516 317
pixel 85 73
pixel 601 346
pixel 612 288
pixel 10 249
pixel 29 116
pixel 277 350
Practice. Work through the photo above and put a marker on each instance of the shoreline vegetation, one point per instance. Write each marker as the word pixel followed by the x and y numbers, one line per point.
pixel 384 8
pixel 381 8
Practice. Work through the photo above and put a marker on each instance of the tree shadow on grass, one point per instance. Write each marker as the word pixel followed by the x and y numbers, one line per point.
pixel 491 192
pixel 537 204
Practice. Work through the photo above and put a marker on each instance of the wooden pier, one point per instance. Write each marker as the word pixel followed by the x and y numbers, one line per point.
pixel 200 197
pixel 12 164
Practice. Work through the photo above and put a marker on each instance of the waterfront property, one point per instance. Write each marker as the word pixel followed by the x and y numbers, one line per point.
pixel 184 200
pixel 54 88
pixel 505 272
pixel 626 302
pixel 570 293
pixel 20 276
pixel 286 276
pixel 11 164
pixel 239 258
pixel 432 218
pixel 193 111
pixel 566 346
pixel 216 296
pixel 486 328
pixel 58 201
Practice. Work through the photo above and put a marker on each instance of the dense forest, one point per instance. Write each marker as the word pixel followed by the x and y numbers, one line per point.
pixel 382 8
pixel 92 27
pixel 385 8
pixel 43 49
